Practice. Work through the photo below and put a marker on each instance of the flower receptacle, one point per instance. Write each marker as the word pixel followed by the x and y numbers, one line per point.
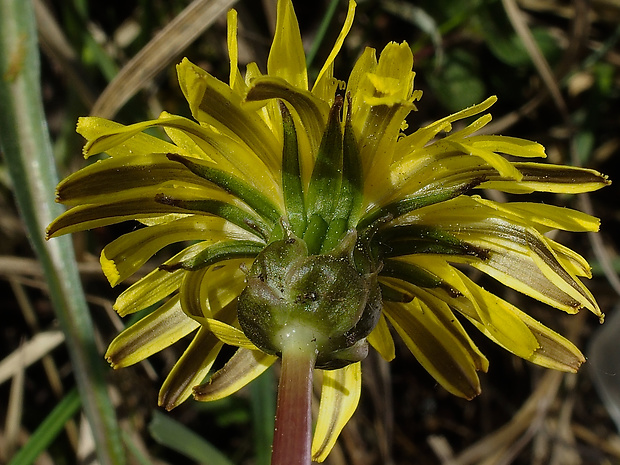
pixel 318 301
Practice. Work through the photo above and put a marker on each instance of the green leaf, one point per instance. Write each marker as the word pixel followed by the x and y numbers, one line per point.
pixel 504 42
pixel 458 84
pixel 424 21
pixel 172 434
pixel 28 153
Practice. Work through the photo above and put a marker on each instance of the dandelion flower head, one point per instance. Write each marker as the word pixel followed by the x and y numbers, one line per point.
pixel 315 216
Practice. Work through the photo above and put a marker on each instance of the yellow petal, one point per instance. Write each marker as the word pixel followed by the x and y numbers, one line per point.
pixel 268 111
pixel 326 74
pixel 568 283
pixel 312 111
pixel 190 369
pixel 505 328
pixel 125 255
pixel 214 103
pixel 287 59
pixel 339 398
pixel 539 276
pixel 243 367
pixel 366 63
pixel 228 334
pixel 549 216
pixel 503 166
pixel 436 167
pixel 387 89
pixel 571 260
pixel 379 135
pixel 235 81
pixel 503 325
pixel 208 291
pixel 439 301
pixel 379 126
pixel 134 204
pixel 122 140
pixel 508 145
pixel 539 177
pixel 437 350
pixel 252 71
pixel 155 332
pixel 197 360
pixel 391 82
pixel 186 140
pixel 462 135
pixel 381 340
pixel 137 143
pixel 424 135
pixel 229 154
pixel 518 255
pixel 553 350
pixel 155 286
pixel 98 182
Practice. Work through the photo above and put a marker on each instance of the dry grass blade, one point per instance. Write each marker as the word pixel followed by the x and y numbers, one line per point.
pixel 158 53
pixel 86 446
pixel 512 118
pixel 30 315
pixel 518 22
pixel 441 448
pixel 600 249
pixel 49 365
pixel 501 446
pixel 29 352
pixel 596 240
pixel 14 412
pixel 610 445
pixel 564 450
pixel 378 384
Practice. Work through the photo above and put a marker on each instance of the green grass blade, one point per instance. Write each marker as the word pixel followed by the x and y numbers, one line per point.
pixel 322 31
pixel 25 143
pixel 263 400
pixel 48 429
pixel 139 457
pixel 172 434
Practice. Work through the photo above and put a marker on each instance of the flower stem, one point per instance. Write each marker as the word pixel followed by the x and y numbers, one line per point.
pixel 292 435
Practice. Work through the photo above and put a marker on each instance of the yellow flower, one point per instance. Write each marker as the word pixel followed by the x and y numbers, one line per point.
pixel 309 210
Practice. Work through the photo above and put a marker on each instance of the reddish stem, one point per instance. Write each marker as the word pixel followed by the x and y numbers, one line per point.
pixel 292 435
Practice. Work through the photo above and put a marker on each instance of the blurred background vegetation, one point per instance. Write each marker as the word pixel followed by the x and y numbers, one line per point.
pixel 554 66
